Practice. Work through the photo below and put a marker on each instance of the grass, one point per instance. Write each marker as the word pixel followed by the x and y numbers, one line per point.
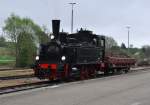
pixel 7 60
pixel 7 51
pixel 7 57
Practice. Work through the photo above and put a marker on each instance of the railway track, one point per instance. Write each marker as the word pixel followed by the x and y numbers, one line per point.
pixel 16 74
pixel 16 77
pixel 22 87
pixel 10 89
pixel 11 68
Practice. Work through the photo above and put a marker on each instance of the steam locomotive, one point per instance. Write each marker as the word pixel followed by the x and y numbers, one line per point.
pixel 77 55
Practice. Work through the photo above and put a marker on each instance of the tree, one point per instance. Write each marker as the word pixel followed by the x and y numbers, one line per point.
pixel 110 42
pixel 123 46
pixel 2 41
pixel 26 50
pixel 24 33
pixel 146 50
pixel 12 27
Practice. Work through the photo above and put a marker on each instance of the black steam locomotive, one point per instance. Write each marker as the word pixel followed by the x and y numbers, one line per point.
pixel 78 55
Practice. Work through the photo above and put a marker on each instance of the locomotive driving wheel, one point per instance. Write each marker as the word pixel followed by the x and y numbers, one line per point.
pixel 82 72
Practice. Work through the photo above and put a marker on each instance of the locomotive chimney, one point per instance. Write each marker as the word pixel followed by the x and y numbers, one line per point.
pixel 55 28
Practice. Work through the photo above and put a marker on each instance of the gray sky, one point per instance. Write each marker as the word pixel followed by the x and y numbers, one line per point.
pixel 108 17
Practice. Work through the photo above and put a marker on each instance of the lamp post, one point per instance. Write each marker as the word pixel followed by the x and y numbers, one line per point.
pixel 128 28
pixel 72 5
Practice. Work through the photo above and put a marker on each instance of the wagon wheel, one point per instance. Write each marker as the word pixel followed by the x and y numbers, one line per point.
pixel 119 71
pixel 106 71
pixel 126 70
pixel 113 71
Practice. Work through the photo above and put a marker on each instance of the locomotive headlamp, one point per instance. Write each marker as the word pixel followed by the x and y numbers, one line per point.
pixel 63 58
pixel 37 58
pixel 52 36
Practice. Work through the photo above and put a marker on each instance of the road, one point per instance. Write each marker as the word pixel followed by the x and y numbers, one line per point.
pixel 127 89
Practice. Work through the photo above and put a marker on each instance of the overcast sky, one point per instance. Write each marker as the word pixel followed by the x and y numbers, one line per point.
pixel 108 17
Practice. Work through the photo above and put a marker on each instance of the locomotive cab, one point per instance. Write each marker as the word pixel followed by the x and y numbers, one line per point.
pixel 88 47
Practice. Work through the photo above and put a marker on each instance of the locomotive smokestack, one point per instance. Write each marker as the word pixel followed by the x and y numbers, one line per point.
pixel 55 28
